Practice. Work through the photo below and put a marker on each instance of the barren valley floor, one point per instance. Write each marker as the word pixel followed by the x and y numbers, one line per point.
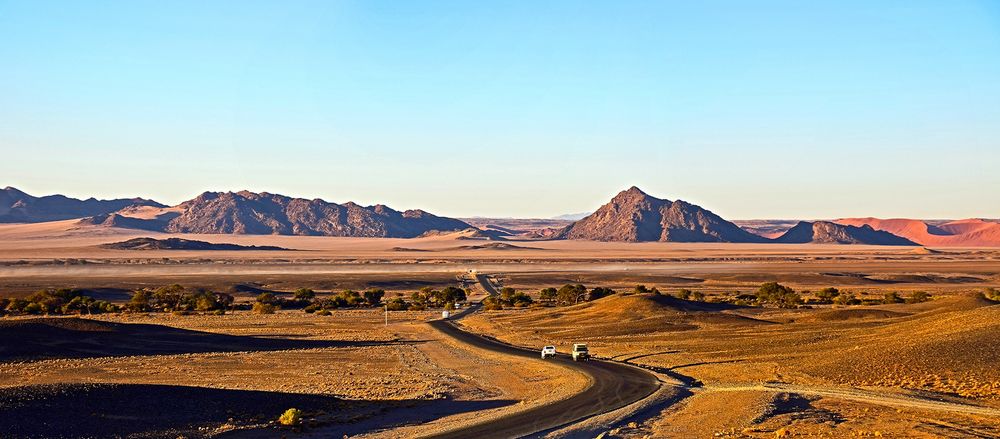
pixel 892 370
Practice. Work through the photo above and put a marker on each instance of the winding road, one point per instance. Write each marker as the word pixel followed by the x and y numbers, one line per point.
pixel 612 386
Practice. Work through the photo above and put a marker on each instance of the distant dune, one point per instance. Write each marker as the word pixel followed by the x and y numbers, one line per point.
pixel 962 233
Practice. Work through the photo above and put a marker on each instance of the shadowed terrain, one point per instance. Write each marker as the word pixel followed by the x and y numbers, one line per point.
pixel 147 411
pixel 33 339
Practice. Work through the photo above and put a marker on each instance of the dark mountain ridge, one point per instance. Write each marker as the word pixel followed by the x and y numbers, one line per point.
pixel 826 232
pixel 19 207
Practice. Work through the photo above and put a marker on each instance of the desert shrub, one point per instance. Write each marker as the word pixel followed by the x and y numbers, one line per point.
pixel 918 297
pixel 16 306
pixel 600 292
pixel 349 298
pixel 291 417
pixel 304 294
pixel 264 308
pixel 698 296
pixel 139 301
pixel 642 289
pixel 53 301
pixel 313 308
pixel 775 293
pixel 373 296
pixel 992 294
pixel 34 308
pixel 267 299
pixel 397 304
pixel 450 306
pixel 510 297
pixel 827 294
pixel 846 299
pixel 892 297
pixel 683 294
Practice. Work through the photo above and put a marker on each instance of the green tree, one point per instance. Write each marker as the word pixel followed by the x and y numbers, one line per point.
pixel 267 299
pixel 775 293
pixel 304 294
pixel 569 294
pixel 547 294
pixel 139 301
pixel 397 304
pixel 600 292
pixel 373 296
pixel 846 298
pixel 827 294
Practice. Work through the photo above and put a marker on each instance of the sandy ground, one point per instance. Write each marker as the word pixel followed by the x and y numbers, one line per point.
pixel 920 370
pixel 426 381
pixel 404 380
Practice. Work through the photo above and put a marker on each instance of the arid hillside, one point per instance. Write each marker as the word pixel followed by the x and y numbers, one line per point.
pixel 635 216
pixel 825 232
pixel 271 214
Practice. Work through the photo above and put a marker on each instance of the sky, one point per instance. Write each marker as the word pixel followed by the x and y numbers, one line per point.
pixel 771 109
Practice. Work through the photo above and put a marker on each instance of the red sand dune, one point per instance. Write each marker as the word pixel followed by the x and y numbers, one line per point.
pixel 961 233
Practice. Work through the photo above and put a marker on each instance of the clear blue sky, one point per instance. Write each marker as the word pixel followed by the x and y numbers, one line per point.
pixel 752 109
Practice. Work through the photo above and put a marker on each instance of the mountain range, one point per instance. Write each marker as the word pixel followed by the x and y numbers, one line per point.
pixel 271 214
pixel 631 216
pixel 19 207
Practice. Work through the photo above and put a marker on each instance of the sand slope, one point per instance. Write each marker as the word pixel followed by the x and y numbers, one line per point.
pixel 962 233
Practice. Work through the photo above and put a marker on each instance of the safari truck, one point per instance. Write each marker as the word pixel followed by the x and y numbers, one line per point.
pixel 548 351
pixel 580 352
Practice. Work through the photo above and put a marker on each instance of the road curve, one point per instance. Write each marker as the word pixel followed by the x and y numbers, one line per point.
pixel 612 386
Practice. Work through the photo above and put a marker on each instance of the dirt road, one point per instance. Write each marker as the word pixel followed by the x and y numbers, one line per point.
pixel 612 386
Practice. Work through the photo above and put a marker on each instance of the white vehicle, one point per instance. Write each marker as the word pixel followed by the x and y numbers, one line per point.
pixel 580 352
pixel 548 351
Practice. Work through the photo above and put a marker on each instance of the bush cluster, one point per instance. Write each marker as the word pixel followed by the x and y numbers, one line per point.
pixel 778 294
pixel 174 298
pixel 344 299
pixel 61 301
pixel 508 297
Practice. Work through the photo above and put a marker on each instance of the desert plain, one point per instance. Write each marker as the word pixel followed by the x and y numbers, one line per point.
pixel 723 368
